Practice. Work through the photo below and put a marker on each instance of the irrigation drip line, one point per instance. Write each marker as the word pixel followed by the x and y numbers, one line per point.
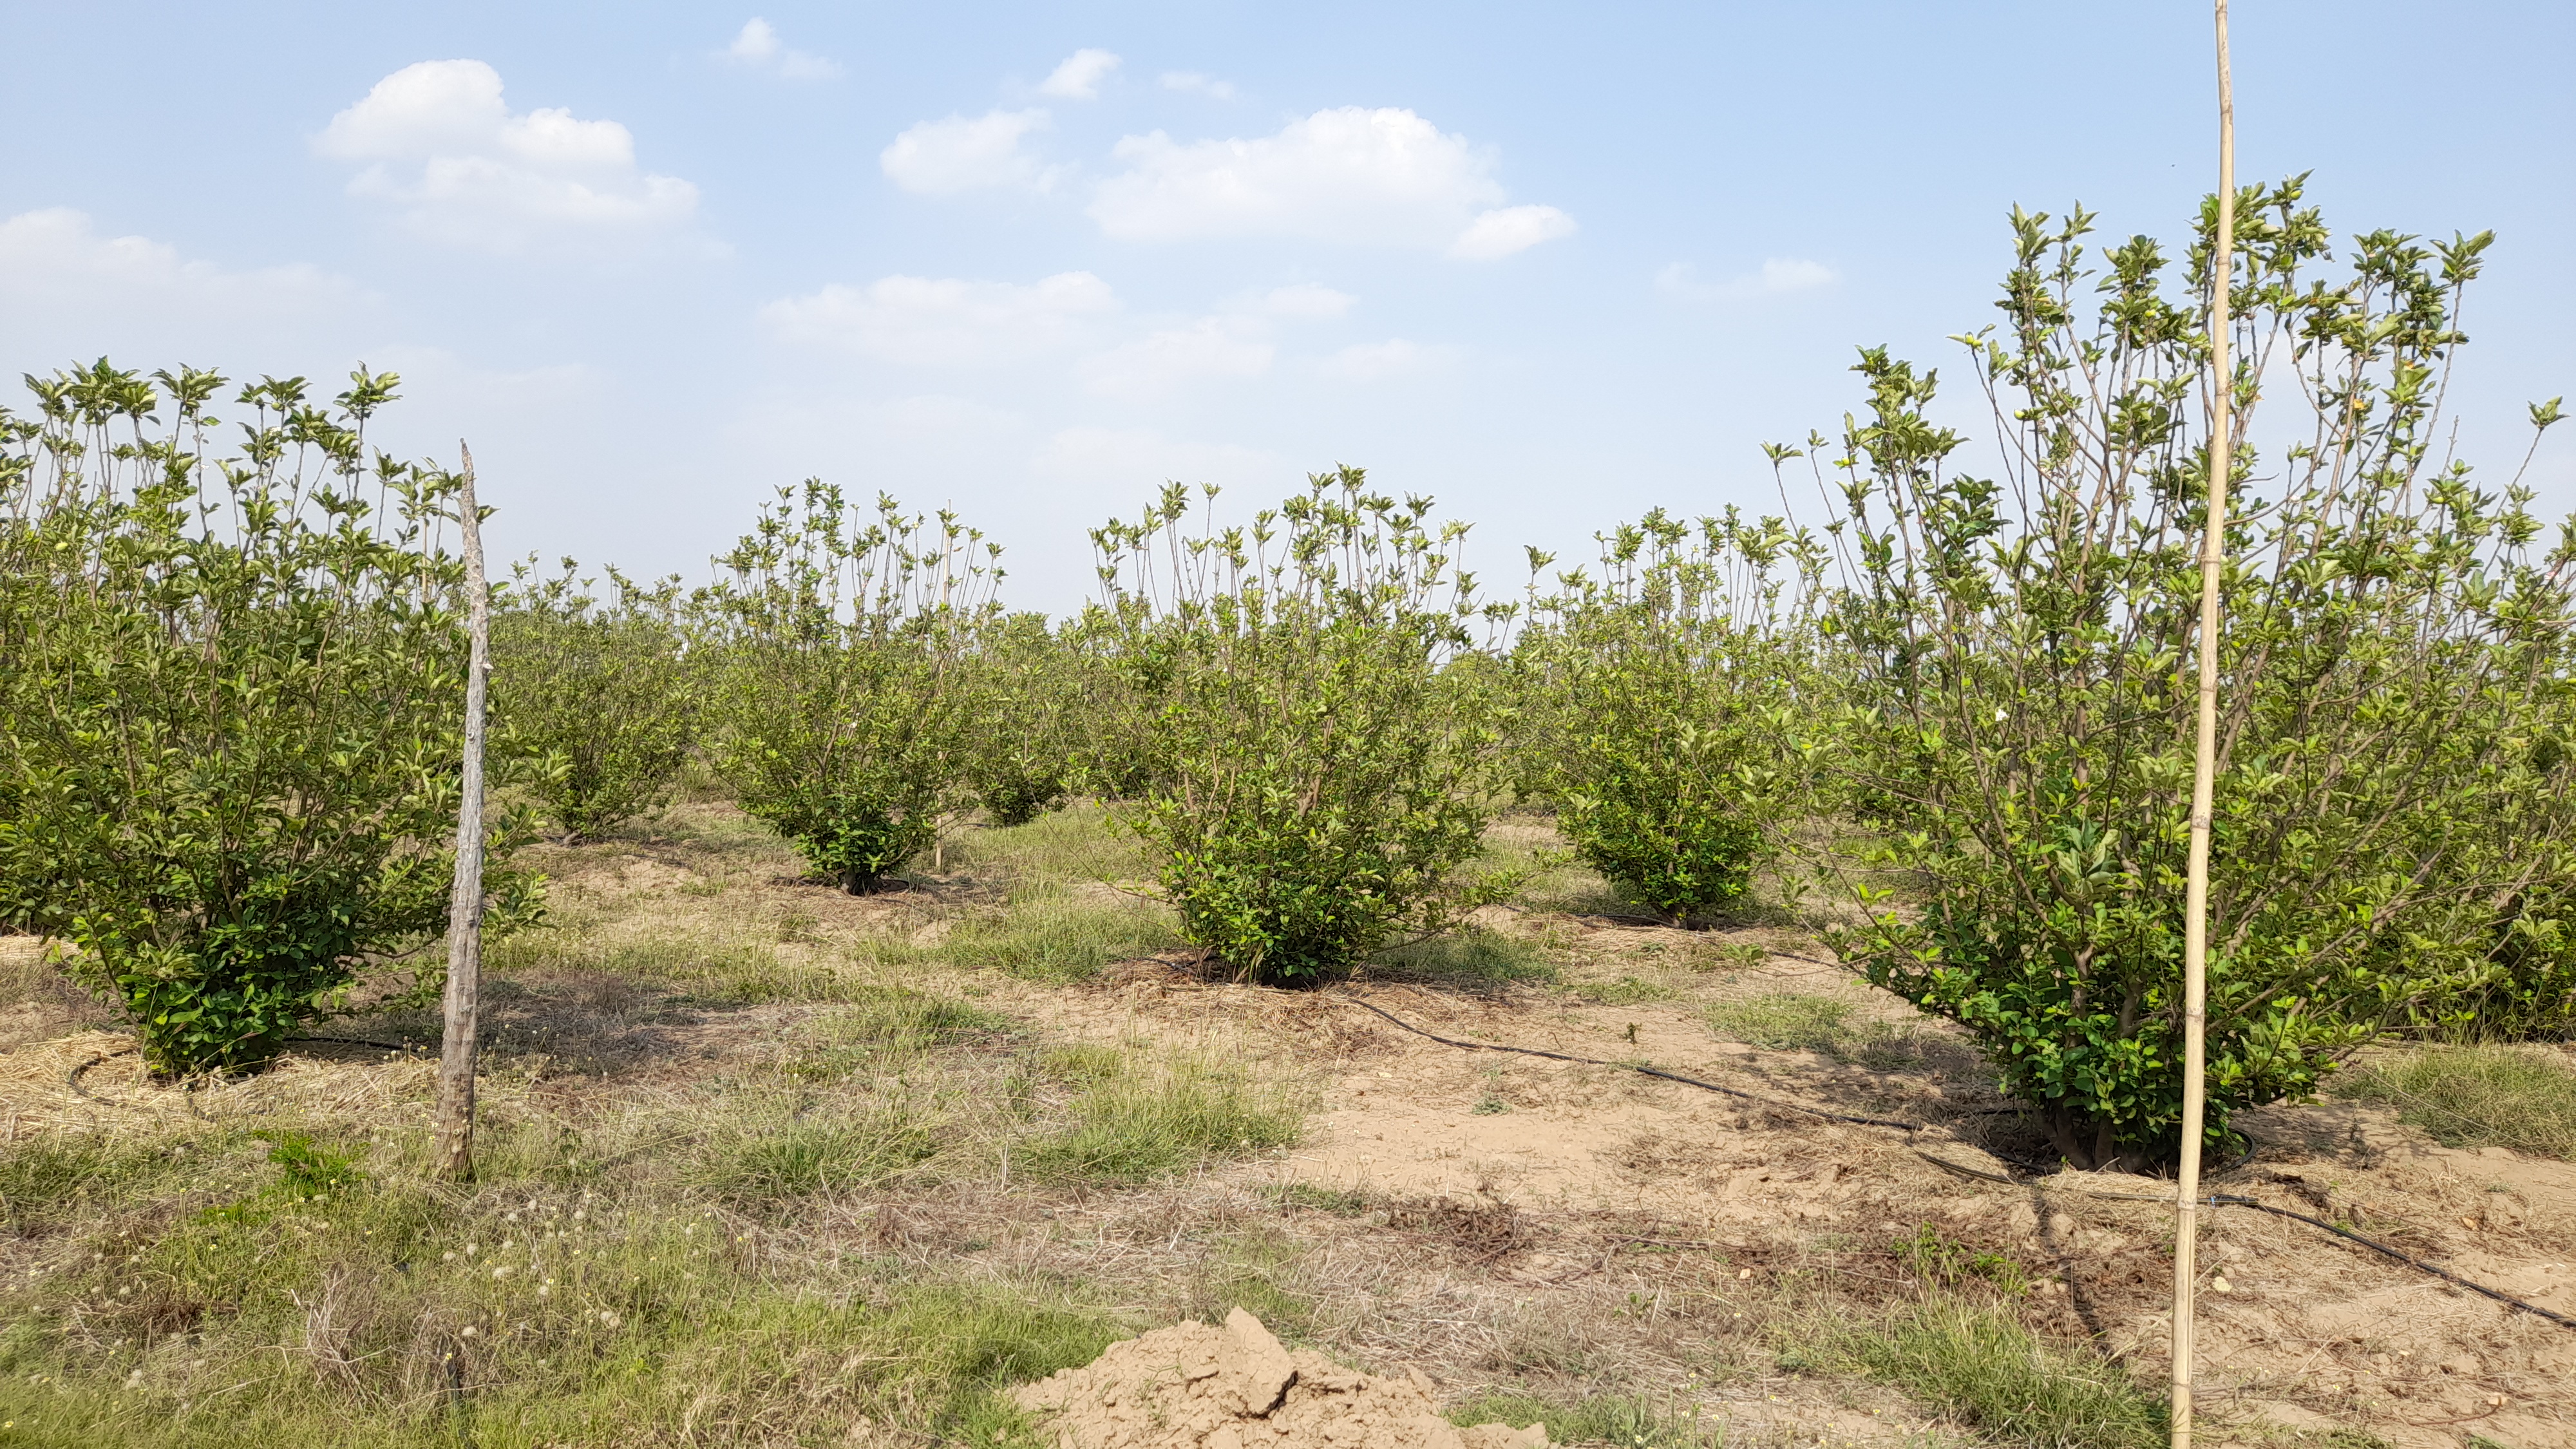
pixel 72 1078
pixel 1484 1046
pixel 391 1046
pixel 2216 1199
pixel 2230 1199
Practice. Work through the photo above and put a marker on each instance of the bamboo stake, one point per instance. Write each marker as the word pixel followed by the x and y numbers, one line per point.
pixel 2204 771
pixel 454 1154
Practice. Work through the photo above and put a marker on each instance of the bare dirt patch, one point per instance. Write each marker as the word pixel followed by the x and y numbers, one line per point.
pixel 1490 1221
pixel 1191 1386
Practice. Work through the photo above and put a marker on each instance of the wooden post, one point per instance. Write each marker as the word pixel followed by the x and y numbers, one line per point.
pixel 2204 771
pixel 454 1146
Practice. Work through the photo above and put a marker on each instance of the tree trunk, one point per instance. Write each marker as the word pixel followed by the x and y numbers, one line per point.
pixel 453 1147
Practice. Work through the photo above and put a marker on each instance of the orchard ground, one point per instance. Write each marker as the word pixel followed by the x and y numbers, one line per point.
pixel 764 1163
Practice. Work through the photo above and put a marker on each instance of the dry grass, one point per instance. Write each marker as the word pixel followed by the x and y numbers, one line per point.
pixel 1975 1362
pixel 2523 1098
pixel 763 1161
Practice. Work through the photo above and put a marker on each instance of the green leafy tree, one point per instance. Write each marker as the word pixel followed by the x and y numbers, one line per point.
pixel 1315 786
pixel 229 758
pixel 1663 697
pixel 1023 748
pixel 601 695
pixel 1119 675
pixel 846 699
pixel 2395 659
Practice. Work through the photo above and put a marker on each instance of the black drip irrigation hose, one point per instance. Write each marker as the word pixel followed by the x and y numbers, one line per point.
pixel 1483 1046
pixel 390 1046
pixel 72 1078
pixel 2216 1199
pixel 2230 1199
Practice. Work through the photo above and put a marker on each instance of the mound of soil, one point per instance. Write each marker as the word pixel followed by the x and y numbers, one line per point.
pixel 1190 1386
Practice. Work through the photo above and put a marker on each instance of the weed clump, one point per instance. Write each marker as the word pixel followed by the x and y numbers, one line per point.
pixel 1136 1122
pixel 1784 1021
pixel 797 1159
pixel 1977 1364
pixel 1627 1421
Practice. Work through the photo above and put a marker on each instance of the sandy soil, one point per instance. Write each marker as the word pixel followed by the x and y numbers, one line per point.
pixel 1535 1217
pixel 2312 1334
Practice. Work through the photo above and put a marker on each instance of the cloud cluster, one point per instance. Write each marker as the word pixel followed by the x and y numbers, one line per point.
pixel 1350 175
pixel 58 255
pixel 963 153
pixel 946 321
pixel 1385 176
pixel 72 291
pixel 980 153
pixel 1161 362
pixel 1079 77
pixel 1778 276
pixel 439 144
pixel 757 47
pixel 953 322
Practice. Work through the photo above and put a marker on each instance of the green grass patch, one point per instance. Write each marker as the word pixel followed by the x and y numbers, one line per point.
pixel 1472 957
pixel 56 1178
pixel 1784 1021
pixel 394 1311
pixel 737 969
pixel 1976 1364
pixel 1135 1121
pixel 1076 843
pixel 1257 1272
pixel 803 1159
pixel 2475 1096
pixel 1626 991
pixel 1944 1262
pixel 1624 1421
pixel 1343 1202
pixel 609 1364
pixel 890 1022
pixel 1053 937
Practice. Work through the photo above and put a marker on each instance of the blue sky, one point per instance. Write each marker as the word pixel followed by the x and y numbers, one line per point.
pixel 1551 264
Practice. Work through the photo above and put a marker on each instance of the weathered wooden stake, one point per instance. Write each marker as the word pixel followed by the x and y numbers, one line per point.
pixel 454 1146
pixel 2204 772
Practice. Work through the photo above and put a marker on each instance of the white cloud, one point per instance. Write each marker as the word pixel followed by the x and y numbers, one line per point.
pixel 71 293
pixel 940 158
pixel 1139 460
pixel 1395 357
pixel 57 255
pixel 1509 229
pixel 758 47
pixel 1349 175
pixel 1232 341
pixel 1302 299
pixel 945 321
pixel 1205 85
pixel 1079 77
pixel 1160 363
pixel 1778 276
pixel 442 146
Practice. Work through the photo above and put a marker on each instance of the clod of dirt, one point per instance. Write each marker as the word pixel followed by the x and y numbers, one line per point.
pixel 1190 1386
